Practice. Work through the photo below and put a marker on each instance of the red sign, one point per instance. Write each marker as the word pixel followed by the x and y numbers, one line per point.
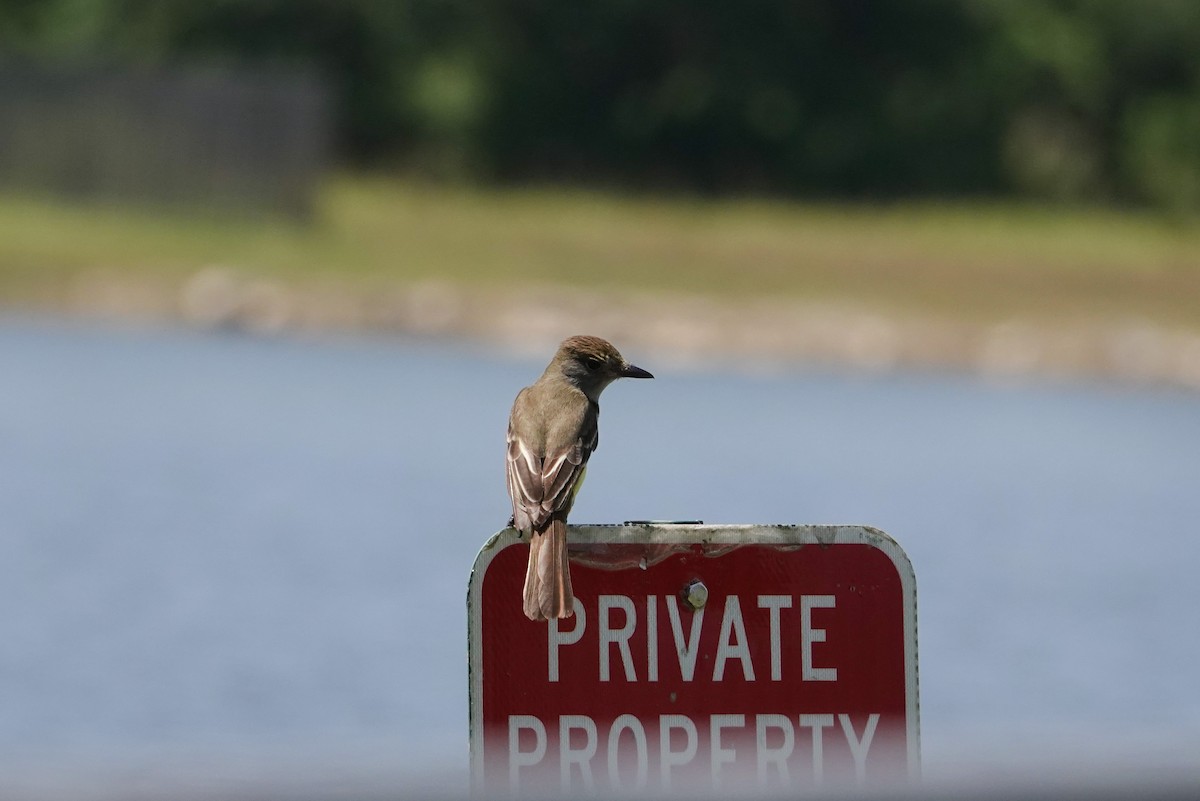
pixel 698 657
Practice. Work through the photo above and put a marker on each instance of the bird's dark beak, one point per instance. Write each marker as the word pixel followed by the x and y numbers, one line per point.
pixel 629 371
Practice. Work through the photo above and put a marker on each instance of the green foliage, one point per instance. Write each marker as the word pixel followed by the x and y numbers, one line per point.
pixel 1062 99
pixel 1162 151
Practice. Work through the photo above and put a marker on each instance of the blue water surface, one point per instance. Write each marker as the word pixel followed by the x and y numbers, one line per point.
pixel 215 543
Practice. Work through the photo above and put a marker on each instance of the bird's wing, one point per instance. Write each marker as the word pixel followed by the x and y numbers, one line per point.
pixel 524 470
pixel 540 486
pixel 561 471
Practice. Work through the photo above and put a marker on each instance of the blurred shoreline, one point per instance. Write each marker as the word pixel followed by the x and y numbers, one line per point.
pixel 761 333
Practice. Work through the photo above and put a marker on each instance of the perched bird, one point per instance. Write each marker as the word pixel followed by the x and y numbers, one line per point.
pixel 551 433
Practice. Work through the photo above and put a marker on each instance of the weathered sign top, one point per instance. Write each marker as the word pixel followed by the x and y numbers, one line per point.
pixel 698 657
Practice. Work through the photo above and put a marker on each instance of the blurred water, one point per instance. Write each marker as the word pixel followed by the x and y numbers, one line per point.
pixel 212 544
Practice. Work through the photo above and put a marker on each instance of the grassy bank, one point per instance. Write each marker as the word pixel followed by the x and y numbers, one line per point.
pixel 962 261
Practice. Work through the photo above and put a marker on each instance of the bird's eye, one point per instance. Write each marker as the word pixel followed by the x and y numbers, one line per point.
pixel 593 363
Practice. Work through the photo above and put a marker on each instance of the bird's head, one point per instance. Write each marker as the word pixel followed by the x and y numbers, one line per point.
pixel 592 363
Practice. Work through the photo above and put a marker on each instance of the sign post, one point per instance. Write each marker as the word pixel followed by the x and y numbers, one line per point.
pixel 699 657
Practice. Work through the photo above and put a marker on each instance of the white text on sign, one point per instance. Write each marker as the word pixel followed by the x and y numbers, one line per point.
pixel 619 622
pixel 627 763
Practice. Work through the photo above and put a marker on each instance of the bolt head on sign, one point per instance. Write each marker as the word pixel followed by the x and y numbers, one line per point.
pixel 698 658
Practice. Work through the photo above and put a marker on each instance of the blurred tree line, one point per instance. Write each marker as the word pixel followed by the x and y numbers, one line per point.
pixel 1074 100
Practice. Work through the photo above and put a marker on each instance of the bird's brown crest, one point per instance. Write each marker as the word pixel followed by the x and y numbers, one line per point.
pixel 584 345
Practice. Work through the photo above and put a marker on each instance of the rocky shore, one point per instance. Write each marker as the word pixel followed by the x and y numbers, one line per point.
pixel 766 333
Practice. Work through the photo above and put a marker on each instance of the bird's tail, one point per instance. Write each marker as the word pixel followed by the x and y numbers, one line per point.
pixel 548 578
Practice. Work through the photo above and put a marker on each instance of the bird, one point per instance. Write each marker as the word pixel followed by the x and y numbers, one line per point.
pixel 552 432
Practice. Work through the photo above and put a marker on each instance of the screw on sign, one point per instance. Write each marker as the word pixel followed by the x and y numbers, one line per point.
pixel 698 657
